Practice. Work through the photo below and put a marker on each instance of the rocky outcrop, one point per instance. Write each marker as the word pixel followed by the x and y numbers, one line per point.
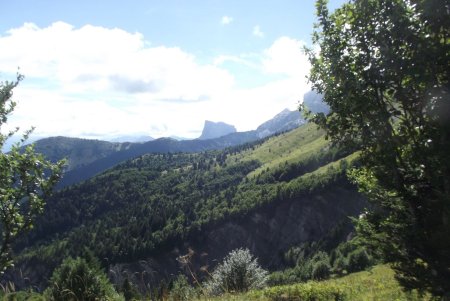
pixel 284 121
pixel 213 130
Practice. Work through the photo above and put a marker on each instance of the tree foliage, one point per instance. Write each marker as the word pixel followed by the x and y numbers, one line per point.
pixel 26 178
pixel 383 70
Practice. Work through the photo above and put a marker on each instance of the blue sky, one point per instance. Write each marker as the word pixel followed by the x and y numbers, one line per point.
pixel 101 69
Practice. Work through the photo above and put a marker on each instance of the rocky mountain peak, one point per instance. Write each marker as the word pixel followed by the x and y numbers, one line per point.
pixel 286 120
pixel 213 130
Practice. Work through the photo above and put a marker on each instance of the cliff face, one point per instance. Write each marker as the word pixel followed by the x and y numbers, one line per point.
pixel 213 130
pixel 267 232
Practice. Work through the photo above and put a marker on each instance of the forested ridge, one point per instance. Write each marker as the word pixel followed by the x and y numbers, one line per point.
pixel 78 152
pixel 146 204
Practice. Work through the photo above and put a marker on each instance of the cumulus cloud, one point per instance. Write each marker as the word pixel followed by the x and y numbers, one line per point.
pixel 94 58
pixel 121 83
pixel 243 60
pixel 286 56
pixel 257 32
pixel 226 20
pixel 287 63
pixel 108 82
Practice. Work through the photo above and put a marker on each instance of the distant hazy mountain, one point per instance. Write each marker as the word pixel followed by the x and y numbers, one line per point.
pixel 134 139
pixel 90 157
pixel 284 121
pixel 314 102
pixel 213 130
pixel 178 138
pixel 288 120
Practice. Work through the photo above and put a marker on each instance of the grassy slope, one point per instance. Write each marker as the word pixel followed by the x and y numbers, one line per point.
pixel 376 284
pixel 293 146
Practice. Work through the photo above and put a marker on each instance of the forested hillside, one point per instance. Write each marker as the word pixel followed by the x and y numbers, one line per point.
pixel 162 145
pixel 292 184
pixel 78 152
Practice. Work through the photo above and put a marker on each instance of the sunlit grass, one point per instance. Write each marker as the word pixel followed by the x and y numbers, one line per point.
pixel 293 146
pixel 376 284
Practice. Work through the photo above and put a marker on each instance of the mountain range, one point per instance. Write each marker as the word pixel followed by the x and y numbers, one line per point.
pixel 87 158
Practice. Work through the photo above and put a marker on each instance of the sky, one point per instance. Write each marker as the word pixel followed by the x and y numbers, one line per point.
pixel 103 69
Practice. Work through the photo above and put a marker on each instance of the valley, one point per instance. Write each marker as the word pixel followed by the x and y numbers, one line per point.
pixel 268 195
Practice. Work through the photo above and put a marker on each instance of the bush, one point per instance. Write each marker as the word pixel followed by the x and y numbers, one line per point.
pixel 359 260
pixel 75 279
pixel 321 270
pixel 340 265
pixel 239 272
pixel 181 290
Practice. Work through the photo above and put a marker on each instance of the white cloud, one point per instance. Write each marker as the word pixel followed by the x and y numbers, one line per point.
pixel 286 56
pixel 100 59
pixel 257 32
pixel 221 59
pixel 226 20
pixel 99 83
pixel 286 60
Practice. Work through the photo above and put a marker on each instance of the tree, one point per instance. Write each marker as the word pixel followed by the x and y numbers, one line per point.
pixel 383 70
pixel 320 270
pixel 358 260
pixel 320 266
pixel 26 179
pixel 130 292
pixel 239 272
pixel 75 279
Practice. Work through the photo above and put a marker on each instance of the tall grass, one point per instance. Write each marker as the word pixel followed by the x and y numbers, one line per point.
pixel 376 284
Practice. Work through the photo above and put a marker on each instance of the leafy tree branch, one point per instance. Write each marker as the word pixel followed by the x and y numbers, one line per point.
pixel 26 179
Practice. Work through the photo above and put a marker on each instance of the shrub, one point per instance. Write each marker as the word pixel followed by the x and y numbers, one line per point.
pixel 129 291
pixel 75 279
pixel 321 270
pixel 359 260
pixel 340 265
pixel 239 272
pixel 22 296
pixel 181 290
